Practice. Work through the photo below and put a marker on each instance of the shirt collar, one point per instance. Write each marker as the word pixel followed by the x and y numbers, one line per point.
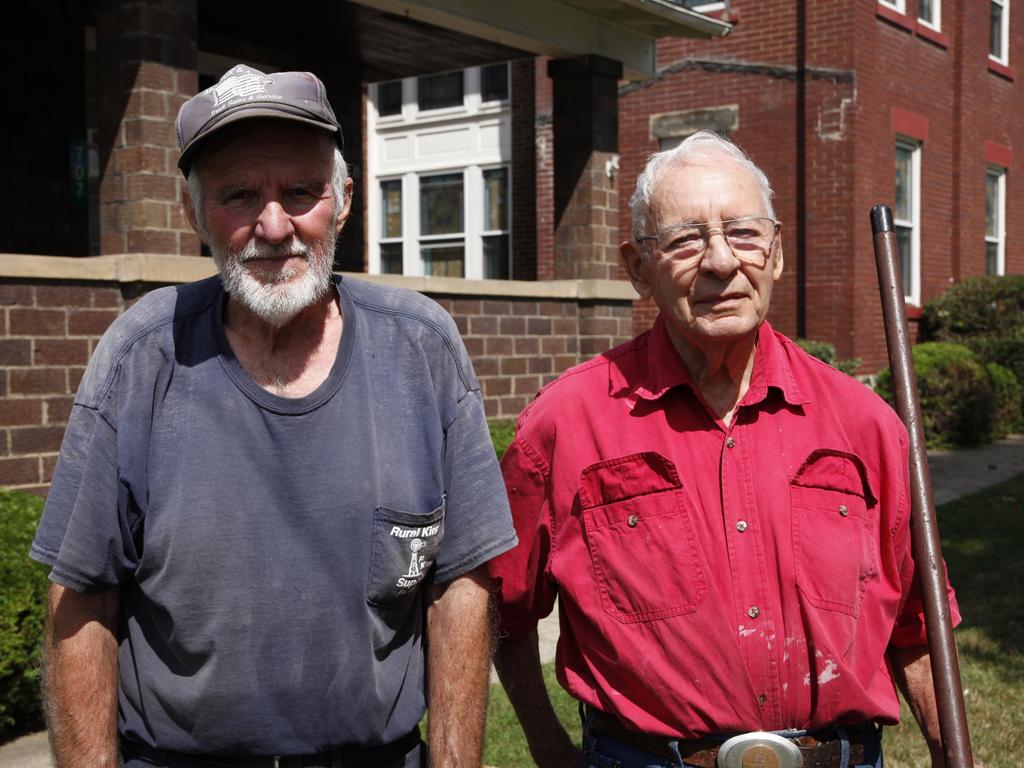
pixel 660 369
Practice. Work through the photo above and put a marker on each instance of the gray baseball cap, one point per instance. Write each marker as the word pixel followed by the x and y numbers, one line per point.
pixel 244 92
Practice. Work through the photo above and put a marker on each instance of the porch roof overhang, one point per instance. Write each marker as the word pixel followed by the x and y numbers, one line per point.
pixel 624 30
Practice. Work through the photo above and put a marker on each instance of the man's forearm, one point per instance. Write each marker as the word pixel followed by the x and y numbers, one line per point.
pixel 518 662
pixel 912 668
pixel 80 684
pixel 459 640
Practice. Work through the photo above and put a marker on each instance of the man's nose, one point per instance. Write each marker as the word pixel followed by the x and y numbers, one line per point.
pixel 719 258
pixel 274 224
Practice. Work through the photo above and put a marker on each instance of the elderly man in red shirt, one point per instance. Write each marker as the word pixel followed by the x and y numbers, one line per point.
pixel 723 518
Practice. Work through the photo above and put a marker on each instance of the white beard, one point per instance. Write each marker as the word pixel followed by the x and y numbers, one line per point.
pixel 283 294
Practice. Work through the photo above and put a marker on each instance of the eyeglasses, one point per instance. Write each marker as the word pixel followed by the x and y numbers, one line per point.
pixel 750 239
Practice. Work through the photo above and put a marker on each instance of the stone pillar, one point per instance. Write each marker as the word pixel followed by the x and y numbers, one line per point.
pixel 586 127
pixel 147 69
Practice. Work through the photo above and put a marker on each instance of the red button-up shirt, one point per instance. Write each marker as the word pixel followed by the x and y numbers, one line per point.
pixel 713 578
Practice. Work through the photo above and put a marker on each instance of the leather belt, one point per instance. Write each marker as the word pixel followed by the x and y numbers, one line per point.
pixel 819 750
pixel 341 757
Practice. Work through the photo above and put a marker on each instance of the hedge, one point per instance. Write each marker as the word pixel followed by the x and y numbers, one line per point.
pixel 22 608
pixel 827 354
pixel 985 314
pixel 955 394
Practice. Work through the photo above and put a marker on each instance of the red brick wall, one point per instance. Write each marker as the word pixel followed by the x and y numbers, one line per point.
pixel 816 84
pixel 48 330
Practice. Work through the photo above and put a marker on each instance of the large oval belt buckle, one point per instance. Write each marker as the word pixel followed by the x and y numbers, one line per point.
pixel 759 749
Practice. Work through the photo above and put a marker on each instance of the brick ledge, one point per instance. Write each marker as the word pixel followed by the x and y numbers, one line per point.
pixel 162 268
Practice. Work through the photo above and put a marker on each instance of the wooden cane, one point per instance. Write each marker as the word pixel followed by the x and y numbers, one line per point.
pixel 956 741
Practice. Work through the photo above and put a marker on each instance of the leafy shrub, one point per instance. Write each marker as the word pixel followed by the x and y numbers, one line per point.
pixel 502 432
pixel 1006 393
pixel 985 314
pixel 955 394
pixel 827 354
pixel 22 607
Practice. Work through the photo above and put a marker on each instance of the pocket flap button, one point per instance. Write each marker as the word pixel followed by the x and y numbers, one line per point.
pixel 843 510
pixel 634 521
pixel 741 525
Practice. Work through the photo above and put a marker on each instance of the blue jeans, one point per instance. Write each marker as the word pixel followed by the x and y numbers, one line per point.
pixel 601 751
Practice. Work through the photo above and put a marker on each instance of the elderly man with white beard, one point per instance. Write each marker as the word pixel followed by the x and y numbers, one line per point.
pixel 276 495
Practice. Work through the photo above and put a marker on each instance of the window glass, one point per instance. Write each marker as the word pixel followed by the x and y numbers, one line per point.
pixel 391 208
pixel 496 257
pixel 389 98
pixel 904 173
pixel 439 91
pixel 995 39
pixel 391 258
pixel 496 199
pixel 443 259
pixel 995 211
pixel 494 82
pixel 905 215
pixel 441 204
pixel 927 11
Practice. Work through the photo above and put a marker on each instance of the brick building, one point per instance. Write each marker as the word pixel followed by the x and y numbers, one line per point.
pixel 844 103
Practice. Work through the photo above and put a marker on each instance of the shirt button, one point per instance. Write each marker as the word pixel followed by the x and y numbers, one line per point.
pixel 762 699
pixel 730 443
pixel 741 526
pixel 753 611
pixel 634 521
pixel 843 510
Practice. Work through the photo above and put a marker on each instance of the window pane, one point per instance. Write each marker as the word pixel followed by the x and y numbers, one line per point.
pixel 443 259
pixel 903 237
pixel 992 258
pixel 391 258
pixel 441 204
pixel 391 208
pixel 992 205
pixel 904 160
pixel 389 98
pixel 494 82
pixel 926 11
pixel 496 257
pixel 437 91
pixel 995 40
pixel 496 199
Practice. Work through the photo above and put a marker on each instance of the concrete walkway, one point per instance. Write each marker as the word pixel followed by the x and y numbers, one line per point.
pixel 953 473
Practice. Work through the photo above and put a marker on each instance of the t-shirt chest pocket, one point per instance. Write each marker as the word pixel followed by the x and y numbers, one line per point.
pixel 640 538
pixel 405 545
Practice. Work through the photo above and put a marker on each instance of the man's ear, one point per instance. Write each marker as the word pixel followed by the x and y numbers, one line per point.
pixel 634 261
pixel 346 208
pixel 777 269
pixel 189 207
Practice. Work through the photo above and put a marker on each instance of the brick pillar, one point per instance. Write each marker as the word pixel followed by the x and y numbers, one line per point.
pixel 147 64
pixel 586 127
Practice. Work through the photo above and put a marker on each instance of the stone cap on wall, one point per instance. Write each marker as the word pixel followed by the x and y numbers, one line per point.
pixel 169 269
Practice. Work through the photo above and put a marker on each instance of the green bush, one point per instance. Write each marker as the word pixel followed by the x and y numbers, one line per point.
pixel 827 354
pixel 955 394
pixel 1006 392
pixel 22 607
pixel 985 314
pixel 502 432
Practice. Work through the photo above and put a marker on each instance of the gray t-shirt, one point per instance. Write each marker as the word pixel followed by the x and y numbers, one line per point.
pixel 271 551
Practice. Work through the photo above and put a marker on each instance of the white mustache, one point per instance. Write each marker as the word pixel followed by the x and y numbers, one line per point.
pixel 255 251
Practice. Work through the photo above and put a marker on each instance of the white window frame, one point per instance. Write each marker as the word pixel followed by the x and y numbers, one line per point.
pixel 900 6
pixel 474 118
pixel 721 5
pixel 1000 236
pixel 912 292
pixel 1005 34
pixel 936 23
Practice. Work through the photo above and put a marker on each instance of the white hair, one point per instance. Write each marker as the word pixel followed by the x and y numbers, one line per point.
pixel 702 145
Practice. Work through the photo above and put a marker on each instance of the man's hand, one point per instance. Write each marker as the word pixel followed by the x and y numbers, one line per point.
pixel 80 682
pixel 518 663
pixel 459 636
pixel 912 668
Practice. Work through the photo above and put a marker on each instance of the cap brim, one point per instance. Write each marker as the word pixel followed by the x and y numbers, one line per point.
pixel 231 117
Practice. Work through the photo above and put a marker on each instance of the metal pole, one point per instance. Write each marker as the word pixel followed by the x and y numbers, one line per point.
pixel 956 742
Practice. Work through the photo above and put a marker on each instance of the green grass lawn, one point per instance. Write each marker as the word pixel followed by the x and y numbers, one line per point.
pixel 983 543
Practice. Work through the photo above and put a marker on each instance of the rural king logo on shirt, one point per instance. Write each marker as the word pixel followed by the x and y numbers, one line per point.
pixel 419 540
